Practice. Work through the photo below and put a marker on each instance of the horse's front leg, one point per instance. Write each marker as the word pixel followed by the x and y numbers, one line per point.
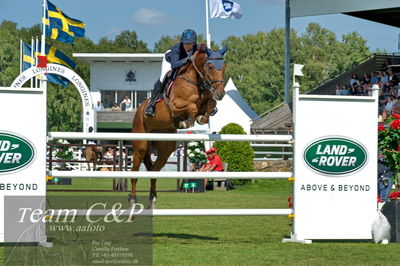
pixel 207 110
pixel 187 109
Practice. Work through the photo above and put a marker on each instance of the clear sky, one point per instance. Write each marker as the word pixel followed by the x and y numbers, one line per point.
pixel 153 18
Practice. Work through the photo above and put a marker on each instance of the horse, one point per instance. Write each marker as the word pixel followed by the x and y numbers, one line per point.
pixel 92 154
pixel 192 97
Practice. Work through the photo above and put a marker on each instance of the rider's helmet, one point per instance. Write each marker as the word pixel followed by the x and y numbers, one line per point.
pixel 189 36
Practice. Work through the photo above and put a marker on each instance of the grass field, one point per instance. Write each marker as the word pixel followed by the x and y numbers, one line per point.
pixel 239 240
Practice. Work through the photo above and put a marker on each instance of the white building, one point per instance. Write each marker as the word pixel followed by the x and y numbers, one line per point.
pixel 116 75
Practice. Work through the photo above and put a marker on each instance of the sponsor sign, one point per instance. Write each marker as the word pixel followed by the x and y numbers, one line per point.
pixel 16 152
pixel 336 156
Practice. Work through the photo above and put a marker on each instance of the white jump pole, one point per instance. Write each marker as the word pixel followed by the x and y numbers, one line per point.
pixel 183 212
pixel 169 137
pixel 169 175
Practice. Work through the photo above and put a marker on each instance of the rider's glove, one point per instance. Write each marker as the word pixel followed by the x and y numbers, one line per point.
pixel 190 58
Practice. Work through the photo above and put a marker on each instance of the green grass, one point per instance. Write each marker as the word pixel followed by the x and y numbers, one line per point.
pixel 244 240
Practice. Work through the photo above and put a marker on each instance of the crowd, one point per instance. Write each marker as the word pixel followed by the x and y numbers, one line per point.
pixel 389 88
pixel 125 105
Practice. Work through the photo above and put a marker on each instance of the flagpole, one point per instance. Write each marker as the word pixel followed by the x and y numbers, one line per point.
pixel 32 62
pixel 43 79
pixel 208 34
pixel 20 56
pixel 36 53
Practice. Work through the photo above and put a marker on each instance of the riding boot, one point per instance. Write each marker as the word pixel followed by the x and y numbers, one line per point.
pixel 150 108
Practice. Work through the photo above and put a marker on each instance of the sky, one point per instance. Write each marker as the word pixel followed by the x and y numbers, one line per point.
pixel 152 19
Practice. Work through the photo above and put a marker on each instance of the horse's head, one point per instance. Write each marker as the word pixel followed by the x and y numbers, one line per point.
pixel 214 70
pixel 211 68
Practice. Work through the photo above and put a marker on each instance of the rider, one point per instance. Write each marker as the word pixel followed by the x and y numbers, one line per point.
pixel 178 55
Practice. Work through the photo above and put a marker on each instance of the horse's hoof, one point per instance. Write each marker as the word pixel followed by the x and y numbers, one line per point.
pixel 201 120
pixel 132 200
pixel 153 202
pixel 182 125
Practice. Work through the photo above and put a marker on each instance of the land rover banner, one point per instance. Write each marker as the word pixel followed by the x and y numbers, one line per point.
pixel 335 166
pixel 22 148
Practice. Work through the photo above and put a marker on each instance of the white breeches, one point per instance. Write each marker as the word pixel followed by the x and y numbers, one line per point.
pixel 165 67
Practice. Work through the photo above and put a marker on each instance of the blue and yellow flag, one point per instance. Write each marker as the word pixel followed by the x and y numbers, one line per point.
pixel 27 60
pixel 54 56
pixel 60 27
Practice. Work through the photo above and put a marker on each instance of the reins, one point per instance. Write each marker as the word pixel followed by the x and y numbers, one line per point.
pixel 207 82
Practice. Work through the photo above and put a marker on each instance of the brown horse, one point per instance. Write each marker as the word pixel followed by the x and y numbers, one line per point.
pixel 192 98
pixel 92 154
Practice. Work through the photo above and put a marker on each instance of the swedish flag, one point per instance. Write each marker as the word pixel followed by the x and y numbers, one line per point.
pixel 27 60
pixel 54 56
pixel 61 27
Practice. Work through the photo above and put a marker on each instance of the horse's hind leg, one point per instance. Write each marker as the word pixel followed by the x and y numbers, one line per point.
pixel 164 150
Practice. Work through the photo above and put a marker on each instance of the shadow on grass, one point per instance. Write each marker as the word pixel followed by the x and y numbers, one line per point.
pixel 179 236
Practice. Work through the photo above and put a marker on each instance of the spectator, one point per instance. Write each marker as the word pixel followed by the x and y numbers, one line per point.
pixel 374 78
pixel 384 82
pixel 338 91
pixel 384 178
pixel 386 64
pixel 115 108
pixel 126 104
pixel 393 79
pixel 99 107
pixel 109 153
pixel 345 90
pixel 366 79
pixel 214 163
pixel 353 90
pixel 389 105
pixel 354 80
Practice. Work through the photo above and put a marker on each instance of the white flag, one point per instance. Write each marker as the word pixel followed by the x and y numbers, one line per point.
pixel 225 9
pixel 297 70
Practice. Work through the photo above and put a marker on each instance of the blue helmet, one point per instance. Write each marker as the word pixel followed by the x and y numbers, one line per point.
pixel 189 36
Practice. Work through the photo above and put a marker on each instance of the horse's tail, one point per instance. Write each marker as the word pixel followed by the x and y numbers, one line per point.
pixel 147 161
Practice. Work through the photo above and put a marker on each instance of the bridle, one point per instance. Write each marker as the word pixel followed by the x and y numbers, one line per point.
pixel 207 82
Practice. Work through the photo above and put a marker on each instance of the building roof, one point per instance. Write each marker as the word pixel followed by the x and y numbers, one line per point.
pixel 119 57
pixel 278 118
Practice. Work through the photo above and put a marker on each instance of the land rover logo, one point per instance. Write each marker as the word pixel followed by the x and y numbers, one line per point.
pixel 16 152
pixel 335 156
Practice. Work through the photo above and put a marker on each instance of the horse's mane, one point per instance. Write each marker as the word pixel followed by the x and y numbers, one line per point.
pixel 200 58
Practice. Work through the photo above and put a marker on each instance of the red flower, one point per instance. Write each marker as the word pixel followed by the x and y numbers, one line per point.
pixel 381 127
pixel 394 195
pixel 398 148
pixel 397 116
pixel 395 124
